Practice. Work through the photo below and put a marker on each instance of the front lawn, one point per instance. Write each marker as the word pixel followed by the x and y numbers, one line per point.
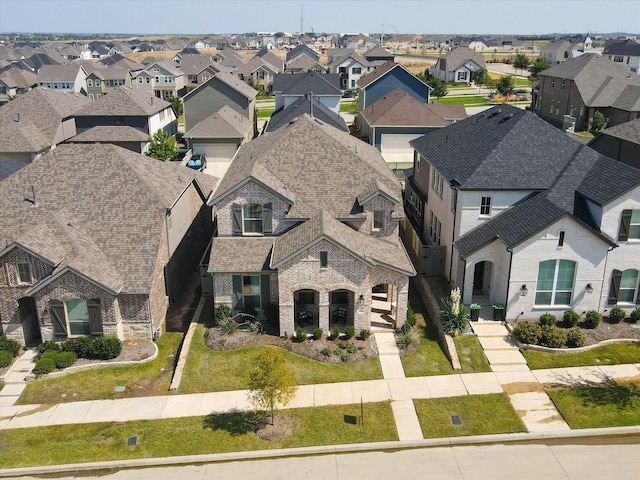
pixel 349 107
pixel 478 414
pixel 209 370
pixel 467 100
pixel 265 112
pixel 613 354
pixel 611 404
pixel 471 355
pixel 147 379
pixel 234 432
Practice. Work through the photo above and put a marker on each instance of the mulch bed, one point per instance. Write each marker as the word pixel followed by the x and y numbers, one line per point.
pixel 310 348
pixel 607 331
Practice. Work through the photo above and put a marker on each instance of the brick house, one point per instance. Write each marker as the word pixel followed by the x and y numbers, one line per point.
pixel 528 217
pixel 108 263
pixel 317 245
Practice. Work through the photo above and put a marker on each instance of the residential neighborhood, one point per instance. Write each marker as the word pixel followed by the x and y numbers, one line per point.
pixel 273 244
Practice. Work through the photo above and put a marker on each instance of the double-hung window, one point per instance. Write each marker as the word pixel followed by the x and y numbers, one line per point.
pixel 629 225
pixel 437 183
pixel 485 206
pixel 378 219
pixel 251 292
pixel 252 218
pixel 24 273
pixel 555 282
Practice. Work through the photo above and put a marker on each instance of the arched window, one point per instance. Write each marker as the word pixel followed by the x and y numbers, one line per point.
pixel 555 282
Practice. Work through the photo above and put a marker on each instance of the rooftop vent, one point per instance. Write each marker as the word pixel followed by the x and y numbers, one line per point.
pixel 506 118
pixel 497 112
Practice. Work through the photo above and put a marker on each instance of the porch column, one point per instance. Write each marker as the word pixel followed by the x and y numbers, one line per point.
pixel 402 302
pixel 287 320
pixel 323 311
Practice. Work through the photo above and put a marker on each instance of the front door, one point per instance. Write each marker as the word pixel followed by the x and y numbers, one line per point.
pixel 29 318
pixel 478 278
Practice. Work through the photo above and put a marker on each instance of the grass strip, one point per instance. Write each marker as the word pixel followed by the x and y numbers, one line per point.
pixel 612 354
pixel 479 415
pixel 233 432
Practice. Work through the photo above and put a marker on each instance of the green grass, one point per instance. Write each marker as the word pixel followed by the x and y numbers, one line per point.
pixel 608 405
pixel 208 370
pixel 467 100
pixel 613 354
pixel 480 415
pixel 265 112
pixel 470 353
pixel 349 107
pixel 147 379
pixel 91 442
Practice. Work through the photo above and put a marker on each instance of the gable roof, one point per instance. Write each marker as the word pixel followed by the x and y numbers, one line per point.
pixel 15 77
pixel 381 71
pixel 225 123
pixel 398 108
pixel 304 105
pixel 230 80
pixel 303 83
pixel 301 50
pixel 113 133
pixel 125 101
pixel 337 158
pixel 461 55
pixel 256 63
pixel 304 64
pixel 59 73
pixel 627 46
pixel 113 235
pixel 628 131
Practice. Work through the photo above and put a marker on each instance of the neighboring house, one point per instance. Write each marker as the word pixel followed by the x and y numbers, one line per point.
pixel 126 108
pixel 218 137
pixel 624 52
pixel 162 78
pixel 316 245
pixel 198 69
pixel 299 51
pixel 304 64
pixel 15 81
pixel 379 54
pixel 351 68
pixel 107 264
pixel 310 105
pixel 325 87
pixel 334 54
pixel 258 71
pixel 101 81
pixel 358 42
pixel 230 59
pixel 621 142
pixel 223 89
pixel 70 77
pixel 527 217
pixel 478 44
pixel 579 87
pixel 458 65
pixel 131 138
pixel 36 61
pixel 271 58
pixel 560 50
pixel 387 77
pixel 397 118
pixel 38 121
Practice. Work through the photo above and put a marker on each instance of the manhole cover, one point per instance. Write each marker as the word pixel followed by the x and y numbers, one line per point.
pixel 132 441
pixel 456 420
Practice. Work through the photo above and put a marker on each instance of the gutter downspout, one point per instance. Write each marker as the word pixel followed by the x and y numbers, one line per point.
pixel 606 261
pixel 168 269
pixel 506 304
pixel 453 233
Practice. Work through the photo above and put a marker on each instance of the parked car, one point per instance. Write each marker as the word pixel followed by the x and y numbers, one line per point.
pixel 198 161
pixel 349 93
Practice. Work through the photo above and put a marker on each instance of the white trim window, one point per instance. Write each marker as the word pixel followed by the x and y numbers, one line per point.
pixel 628 286
pixel 555 282
pixel 378 220
pixel 252 218
pixel 437 183
pixel 23 271
pixel 485 206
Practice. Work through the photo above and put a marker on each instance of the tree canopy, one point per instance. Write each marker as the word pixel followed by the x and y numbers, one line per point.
pixel 538 65
pixel 439 87
pixel 176 103
pixel 162 146
pixel 479 77
pixel 505 85
pixel 521 61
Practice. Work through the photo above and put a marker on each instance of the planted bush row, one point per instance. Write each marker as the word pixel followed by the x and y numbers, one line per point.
pixel 94 348
pixel 549 335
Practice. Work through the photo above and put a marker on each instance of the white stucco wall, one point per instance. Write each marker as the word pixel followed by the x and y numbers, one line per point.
pixel 496 283
pixel 469 206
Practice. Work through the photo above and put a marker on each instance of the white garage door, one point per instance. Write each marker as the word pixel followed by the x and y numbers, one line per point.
pixel 219 156
pixel 396 149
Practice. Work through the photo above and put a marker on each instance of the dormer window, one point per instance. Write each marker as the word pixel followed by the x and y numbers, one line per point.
pixel 24 273
pixel 251 219
pixel 324 259
pixel 378 220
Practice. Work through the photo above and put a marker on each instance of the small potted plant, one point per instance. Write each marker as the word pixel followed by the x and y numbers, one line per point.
pixel 475 312
pixel 498 311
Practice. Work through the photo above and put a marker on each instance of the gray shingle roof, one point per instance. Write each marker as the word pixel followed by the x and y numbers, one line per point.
pixel 15 77
pixel 235 254
pixel 303 83
pixel 111 134
pixel 314 164
pixel 304 64
pixel 125 101
pixel 398 108
pixel 58 73
pixel 622 47
pixel 459 56
pixel 225 123
pixel 301 106
pixel 115 201
pixel 629 131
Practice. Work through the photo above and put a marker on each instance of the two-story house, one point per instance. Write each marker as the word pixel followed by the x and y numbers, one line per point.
pixel 624 52
pixel 527 217
pixel 70 77
pixel 288 88
pixel 315 244
pixel 98 243
pixel 15 81
pixel 458 65
pixel 162 78
pixel 575 89
pixel 351 68
pixel 385 78
pixel 103 80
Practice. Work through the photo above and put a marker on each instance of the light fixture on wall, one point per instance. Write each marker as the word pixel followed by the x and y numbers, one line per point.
pixel 361 300
pixel 524 290
pixel 588 288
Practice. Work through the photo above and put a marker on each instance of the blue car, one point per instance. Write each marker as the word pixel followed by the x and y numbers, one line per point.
pixel 198 161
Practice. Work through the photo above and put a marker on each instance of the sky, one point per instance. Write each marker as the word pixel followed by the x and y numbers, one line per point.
pixel 201 17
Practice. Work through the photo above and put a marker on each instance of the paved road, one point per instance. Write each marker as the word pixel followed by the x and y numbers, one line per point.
pixel 615 458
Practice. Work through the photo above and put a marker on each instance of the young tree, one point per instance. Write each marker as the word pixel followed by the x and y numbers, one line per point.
pixel 439 87
pixel 600 122
pixel 521 61
pixel 505 85
pixel 479 77
pixel 162 146
pixel 176 103
pixel 270 381
pixel 538 65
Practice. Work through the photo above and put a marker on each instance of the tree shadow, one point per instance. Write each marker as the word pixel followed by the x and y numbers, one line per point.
pixel 237 423
pixel 604 390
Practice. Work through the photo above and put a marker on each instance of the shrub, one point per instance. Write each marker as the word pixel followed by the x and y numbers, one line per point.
pixel 6 358
pixel 592 319
pixel 317 333
pixel 300 335
pixel 527 332
pixel 344 357
pixel 106 347
pixel 350 331
pixel 337 352
pixel 46 364
pixel 552 336
pixel 548 319
pixel 364 334
pixel 65 359
pixel 616 315
pixel 352 349
pixel 454 316
pixel 9 345
pixel 570 318
pixel 227 326
pixel 576 337
pixel 84 347
pixel 326 352
pixel 343 345
pixel 404 339
pixel 48 345
pixel 335 333
pixel 635 315
pixel 411 317
pixel 68 345
pixel 222 312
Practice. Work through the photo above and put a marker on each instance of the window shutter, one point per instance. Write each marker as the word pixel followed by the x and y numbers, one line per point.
pixel 95 317
pixel 266 218
pixel 236 210
pixel 616 275
pixel 58 318
pixel 238 303
pixel 265 291
pixel 623 234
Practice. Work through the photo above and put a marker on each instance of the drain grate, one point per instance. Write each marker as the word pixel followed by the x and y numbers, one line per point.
pixel 132 441
pixel 456 420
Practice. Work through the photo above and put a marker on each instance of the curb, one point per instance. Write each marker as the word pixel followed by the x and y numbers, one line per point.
pixel 479 440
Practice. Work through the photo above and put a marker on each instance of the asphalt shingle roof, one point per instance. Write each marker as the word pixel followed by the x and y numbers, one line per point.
pixel 125 101
pixel 120 133
pixel 225 123
pixel 629 131
pixel 459 56
pixel 235 254
pixel 301 106
pixel 303 83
